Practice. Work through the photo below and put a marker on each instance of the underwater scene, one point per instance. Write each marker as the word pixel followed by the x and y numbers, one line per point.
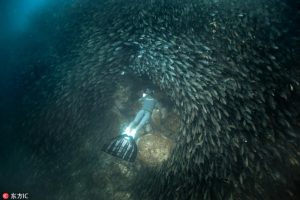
pixel 150 99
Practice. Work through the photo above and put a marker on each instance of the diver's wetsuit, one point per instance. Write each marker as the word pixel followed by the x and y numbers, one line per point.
pixel 143 116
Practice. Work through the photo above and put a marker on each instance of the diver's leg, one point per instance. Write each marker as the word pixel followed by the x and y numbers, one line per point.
pixel 137 119
pixel 143 121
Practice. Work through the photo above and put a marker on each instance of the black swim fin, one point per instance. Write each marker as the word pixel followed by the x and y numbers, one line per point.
pixel 122 146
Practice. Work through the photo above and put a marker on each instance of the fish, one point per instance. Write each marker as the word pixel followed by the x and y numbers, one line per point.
pixel 224 79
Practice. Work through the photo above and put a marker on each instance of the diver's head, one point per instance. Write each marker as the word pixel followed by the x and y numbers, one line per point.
pixel 148 92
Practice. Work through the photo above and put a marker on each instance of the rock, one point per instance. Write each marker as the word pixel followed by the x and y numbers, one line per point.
pixel 156 117
pixel 121 97
pixel 154 149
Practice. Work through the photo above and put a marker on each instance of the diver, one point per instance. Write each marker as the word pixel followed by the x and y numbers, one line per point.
pixel 142 118
pixel 124 145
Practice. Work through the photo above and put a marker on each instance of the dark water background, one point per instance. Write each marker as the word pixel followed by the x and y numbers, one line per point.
pixel 34 38
pixel 32 42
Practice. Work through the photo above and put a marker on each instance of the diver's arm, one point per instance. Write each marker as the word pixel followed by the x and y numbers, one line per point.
pixel 158 106
pixel 141 99
pixel 162 110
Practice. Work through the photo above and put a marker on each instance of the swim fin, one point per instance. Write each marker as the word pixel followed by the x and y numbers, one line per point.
pixel 122 146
